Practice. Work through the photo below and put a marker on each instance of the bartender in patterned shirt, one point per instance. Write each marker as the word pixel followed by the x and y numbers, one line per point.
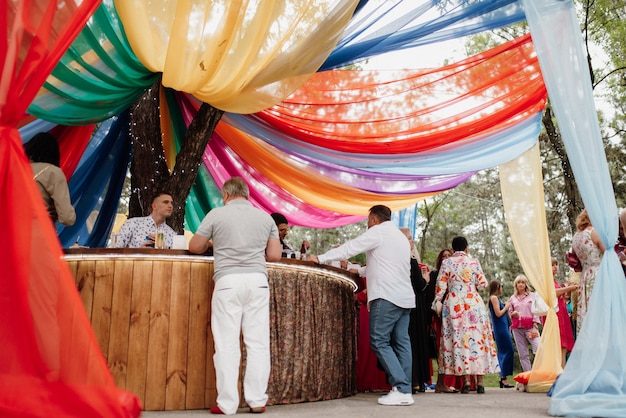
pixel 139 232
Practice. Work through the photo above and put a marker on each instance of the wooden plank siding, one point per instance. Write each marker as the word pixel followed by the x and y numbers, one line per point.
pixel 151 318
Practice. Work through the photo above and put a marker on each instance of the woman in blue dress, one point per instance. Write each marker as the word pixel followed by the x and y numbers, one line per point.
pixel 501 333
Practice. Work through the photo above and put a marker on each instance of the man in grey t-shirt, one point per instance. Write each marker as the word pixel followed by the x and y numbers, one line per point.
pixel 243 238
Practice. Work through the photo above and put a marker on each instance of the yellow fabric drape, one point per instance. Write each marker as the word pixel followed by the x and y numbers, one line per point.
pixel 239 56
pixel 309 186
pixel 521 183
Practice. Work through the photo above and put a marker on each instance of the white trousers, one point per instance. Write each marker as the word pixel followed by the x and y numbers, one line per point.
pixel 240 305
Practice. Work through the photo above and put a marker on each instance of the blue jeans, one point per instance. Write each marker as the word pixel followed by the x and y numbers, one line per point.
pixel 389 338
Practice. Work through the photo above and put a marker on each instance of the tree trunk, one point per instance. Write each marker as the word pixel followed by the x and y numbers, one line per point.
pixel 149 172
pixel 189 159
pixel 574 200
pixel 147 168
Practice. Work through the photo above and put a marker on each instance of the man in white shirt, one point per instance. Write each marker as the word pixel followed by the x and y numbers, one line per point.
pixel 140 232
pixel 390 297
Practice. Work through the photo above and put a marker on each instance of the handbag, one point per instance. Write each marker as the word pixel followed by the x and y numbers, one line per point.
pixel 437 306
pixel 539 306
pixel 522 322
pixel 573 261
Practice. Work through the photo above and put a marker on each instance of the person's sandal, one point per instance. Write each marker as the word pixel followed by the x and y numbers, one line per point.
pixel 257 409
pixel 216 410
pixel 466 388
pixel 446 389
pixel 480 389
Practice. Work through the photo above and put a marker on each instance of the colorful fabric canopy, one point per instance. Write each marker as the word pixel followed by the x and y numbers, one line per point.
pixel 399 178
pixel 331 169
pixel 341 142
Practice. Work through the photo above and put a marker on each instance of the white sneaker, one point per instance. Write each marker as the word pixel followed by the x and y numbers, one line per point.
pixel 396 398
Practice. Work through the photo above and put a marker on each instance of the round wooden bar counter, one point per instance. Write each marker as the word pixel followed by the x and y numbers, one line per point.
pixel 151 309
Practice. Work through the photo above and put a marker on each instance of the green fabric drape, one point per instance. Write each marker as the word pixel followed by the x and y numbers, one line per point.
pixel 98 76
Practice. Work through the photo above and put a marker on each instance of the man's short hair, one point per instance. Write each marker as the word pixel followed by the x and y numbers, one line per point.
pixel 160 193
pixel 459 243
pixel 236 187
pixel 382 212
pixel 279 218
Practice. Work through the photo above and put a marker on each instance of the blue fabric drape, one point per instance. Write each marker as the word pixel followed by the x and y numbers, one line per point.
pixel 395 25
pixel 97 184
pixel 594 380
pixel 406 218
pixel 33 128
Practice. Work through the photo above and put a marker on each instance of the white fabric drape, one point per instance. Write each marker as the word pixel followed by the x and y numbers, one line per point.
pixel 594 380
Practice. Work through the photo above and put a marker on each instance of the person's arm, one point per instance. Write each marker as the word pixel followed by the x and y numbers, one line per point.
pixel 274 250
pixel 62 203
pixel 442 284
pixel 512 312
pixel 199 244
pixel 495 304
pixel 123 235
pixel 566 289
pixel 364 242
pixel 417 278
pixel 596 240
pixel 482 282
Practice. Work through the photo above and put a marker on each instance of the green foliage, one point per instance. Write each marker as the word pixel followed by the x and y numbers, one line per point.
pixel 322 240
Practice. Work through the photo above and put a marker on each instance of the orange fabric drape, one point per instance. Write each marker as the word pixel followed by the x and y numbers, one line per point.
pixel 414 111
pixel 325 192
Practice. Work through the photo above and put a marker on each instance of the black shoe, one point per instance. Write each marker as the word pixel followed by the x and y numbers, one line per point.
pixel 480 389
pixel 504 385
pixel 466 388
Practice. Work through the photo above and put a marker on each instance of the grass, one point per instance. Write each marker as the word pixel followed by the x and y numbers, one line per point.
pixel 490 380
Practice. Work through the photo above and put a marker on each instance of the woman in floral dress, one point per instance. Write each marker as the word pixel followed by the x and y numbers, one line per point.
pixel 589 249
pixel 468 347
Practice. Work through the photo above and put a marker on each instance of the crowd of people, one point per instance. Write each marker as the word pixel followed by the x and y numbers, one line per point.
pixel 450 322
pixel 408 314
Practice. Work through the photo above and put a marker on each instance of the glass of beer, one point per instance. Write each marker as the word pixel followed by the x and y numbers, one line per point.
pixel 159 240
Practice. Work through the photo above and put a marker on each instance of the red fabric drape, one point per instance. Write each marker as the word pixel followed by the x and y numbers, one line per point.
pixel 51 364
pixel 72 143
pixel 353 111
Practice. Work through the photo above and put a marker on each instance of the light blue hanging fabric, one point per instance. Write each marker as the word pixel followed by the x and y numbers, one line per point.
pixel 485 151
pixel 594 380
pixel 392 25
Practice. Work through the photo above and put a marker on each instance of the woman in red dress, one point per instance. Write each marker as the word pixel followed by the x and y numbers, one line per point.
pixel 565 324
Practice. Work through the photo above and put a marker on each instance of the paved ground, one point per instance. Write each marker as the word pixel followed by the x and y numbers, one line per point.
pixel 496 402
